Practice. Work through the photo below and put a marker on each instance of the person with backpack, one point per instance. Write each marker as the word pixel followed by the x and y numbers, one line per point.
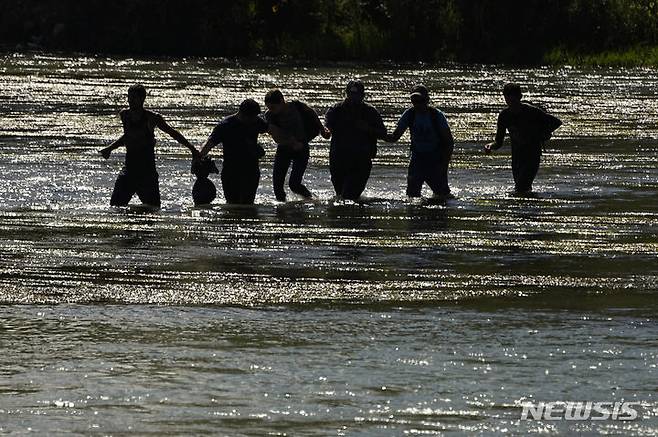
pixel 293 125
pixel 529 128
pixel 431 145
pixel 355 127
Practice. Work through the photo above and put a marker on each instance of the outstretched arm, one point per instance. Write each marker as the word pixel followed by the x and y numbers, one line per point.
pixel 324 132
pixel 500 137
pixel 328 124
pixel 206 148
pixel 396 135
pixel 403 124
pixel 164 127
pixel 108 150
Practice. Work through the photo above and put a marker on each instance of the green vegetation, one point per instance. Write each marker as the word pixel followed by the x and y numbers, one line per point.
pixel 639 56
pixel 611 32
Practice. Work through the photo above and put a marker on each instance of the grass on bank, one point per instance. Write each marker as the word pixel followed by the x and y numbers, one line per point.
pixel 639 56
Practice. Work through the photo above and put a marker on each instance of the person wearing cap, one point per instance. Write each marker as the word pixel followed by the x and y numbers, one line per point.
pixel 529 128
pixel 238 134
pixel 139 175
pixel 431 145
pixel 355 127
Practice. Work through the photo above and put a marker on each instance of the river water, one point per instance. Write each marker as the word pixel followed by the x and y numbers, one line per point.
pixel 385 318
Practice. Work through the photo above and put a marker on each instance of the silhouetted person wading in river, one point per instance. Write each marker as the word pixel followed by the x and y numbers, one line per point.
pixel 529 128
pixel 355 127
pixel 238 135
pixel 139 175
pixel 293 125
pixel 431 145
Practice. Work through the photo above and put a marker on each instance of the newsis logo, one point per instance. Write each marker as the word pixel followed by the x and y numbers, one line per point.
pixel 580 411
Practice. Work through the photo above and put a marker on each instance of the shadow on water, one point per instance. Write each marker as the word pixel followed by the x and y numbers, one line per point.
pixel 294 213
pixel 240 212
pixel 422 218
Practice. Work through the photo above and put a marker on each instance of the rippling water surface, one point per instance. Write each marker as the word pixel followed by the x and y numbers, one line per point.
pixel 324 318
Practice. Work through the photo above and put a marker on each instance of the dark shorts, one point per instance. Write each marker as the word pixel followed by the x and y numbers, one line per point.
pixel 430 168
pixel 282 160
pixel 349 173
pixel 146 187
pixel 240 182
pixel 525 165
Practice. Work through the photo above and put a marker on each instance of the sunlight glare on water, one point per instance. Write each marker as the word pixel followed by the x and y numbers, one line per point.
pixel 324 318
pixel 595 187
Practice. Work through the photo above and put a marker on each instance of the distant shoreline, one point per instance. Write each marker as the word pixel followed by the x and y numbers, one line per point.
pixel 478 32
pixel 636 57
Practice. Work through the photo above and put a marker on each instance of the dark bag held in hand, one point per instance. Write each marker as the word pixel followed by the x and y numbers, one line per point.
pixel 203 191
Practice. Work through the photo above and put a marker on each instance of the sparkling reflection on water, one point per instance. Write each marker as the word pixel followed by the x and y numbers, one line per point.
pixel 587 243
pixel 319 371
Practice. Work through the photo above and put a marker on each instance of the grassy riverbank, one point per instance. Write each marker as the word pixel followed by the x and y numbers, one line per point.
pixel 640 56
